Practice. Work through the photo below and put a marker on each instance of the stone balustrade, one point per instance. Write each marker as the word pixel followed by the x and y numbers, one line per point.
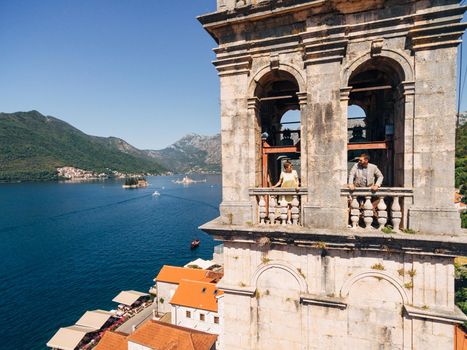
pixel 378 208
pixel 273 205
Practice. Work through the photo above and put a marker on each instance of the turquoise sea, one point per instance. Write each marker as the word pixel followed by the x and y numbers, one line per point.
pixel 67 248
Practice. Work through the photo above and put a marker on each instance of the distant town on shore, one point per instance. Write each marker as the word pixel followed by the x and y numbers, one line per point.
pixel 43 148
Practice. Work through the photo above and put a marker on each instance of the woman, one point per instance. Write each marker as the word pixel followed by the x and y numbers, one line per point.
pixel 288 179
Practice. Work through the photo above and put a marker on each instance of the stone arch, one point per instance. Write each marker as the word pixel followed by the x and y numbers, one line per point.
pixel 347 286
pixel 278 316
pixel 280 265
pixel 267 69
pixel 401 61
pixel 386 108
pixel 272 93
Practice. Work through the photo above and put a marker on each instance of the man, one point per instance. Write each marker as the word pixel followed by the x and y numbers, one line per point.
pixel 363 174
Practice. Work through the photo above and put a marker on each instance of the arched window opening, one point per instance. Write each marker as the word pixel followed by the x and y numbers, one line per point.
pixel 279 119
pixel 290 128
pixel 356 132
pixel 379 133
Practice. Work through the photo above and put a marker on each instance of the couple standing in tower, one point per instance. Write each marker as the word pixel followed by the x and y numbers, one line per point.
pixel 362 174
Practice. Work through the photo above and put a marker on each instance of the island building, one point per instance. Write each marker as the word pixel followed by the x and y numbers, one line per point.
pixel 338 273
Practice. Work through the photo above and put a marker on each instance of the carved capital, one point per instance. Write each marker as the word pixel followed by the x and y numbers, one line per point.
pixel 344 93
pixel 302 99
pixel 253 103
pixel 406 88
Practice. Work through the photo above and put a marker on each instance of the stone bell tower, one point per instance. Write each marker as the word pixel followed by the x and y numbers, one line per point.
pixel 320 266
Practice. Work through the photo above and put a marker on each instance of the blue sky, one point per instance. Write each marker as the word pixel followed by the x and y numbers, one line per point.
pixel 135 69
pixel 140 69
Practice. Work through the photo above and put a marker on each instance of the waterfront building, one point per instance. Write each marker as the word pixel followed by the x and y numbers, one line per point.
pixel 169 278
pixel 113 341
pixel 318 267
pixel 202 264
pixel 195 305
pixel 130 297
pixel 72 337
pixel 158 335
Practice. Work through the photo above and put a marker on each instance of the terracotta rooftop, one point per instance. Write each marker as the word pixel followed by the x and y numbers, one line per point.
pixel 198 295
pixel 112 341
pixel 163 336
pixel 174 274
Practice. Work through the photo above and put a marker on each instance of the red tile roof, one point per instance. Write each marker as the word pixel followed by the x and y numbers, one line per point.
pixel 112 341
pixel 174 274
pixel 198 295
pixel 163 336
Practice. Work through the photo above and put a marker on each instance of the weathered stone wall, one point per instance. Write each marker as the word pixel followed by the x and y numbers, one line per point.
pixel 434 141
pixel 326 146
pixel 236 156
pixel 288 297
pixel 285 296
pixel 321 45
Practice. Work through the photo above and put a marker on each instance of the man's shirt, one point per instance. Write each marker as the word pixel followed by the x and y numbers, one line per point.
pixel 365 177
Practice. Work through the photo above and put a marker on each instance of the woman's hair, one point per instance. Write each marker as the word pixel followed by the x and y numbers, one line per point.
pixel 287 164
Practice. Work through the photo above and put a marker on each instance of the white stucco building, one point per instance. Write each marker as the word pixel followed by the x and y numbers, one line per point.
pixel 169 277
pixel 195 305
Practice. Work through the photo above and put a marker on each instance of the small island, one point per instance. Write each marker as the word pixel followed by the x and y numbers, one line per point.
pixel 186 181
pixel 135 182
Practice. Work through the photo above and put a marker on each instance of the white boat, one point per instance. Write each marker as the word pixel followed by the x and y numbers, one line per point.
pixel 156 193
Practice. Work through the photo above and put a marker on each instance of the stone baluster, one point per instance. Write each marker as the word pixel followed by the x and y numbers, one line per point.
pixel 295 211
pixel 262 210
pixel 272 209
pixel 283 204
pixel 368 212
pixel 354 212
pixel 382 212
pixel 396 213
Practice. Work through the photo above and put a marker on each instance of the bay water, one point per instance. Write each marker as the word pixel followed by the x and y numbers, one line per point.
pixel 70 247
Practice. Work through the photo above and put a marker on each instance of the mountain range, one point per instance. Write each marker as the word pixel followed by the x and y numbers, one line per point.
pixel 33 146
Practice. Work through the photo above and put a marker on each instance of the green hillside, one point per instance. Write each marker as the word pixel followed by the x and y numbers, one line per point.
pixel 461 157
pixel 461 165
pixel 32 146
pixel 191 154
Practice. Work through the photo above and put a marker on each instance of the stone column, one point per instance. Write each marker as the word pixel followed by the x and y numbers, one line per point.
pixel 434 142
pixel 255 141
pixel 403 144
pixel 237 146
pixel 403 134
pixel 326 146
pixel 303 100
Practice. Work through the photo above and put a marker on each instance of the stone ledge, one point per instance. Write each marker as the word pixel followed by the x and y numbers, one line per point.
pixel 454 315
pixel 340 239
pixel 237 290
pixel 255 12
pixel 323 300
